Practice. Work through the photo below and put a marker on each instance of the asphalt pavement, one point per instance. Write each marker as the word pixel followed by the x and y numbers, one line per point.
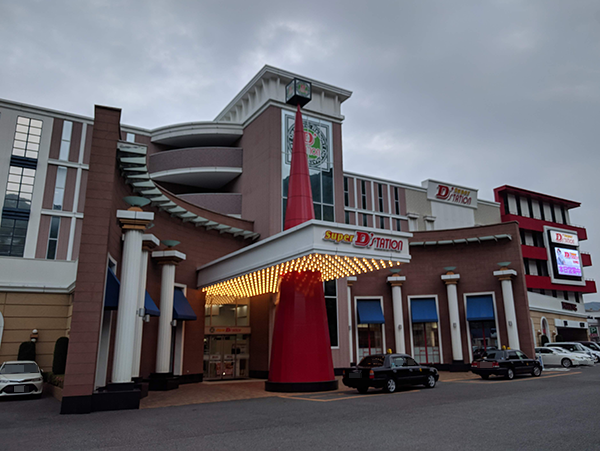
pixel 557 411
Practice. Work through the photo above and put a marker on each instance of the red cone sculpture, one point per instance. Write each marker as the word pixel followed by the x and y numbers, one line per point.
pixel 301 350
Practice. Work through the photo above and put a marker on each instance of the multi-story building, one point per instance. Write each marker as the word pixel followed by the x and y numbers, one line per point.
pixel 552 260
pixel 436 272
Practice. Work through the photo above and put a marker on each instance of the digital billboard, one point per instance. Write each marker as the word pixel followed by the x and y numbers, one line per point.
pixel 567 261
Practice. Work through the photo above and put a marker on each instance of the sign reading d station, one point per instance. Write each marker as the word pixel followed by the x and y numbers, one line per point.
pixel 451 194
pixel 564 238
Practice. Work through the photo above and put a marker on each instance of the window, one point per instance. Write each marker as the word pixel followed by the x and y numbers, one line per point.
pixel 53 238
pixel 396 362
pixel 363 194
pixel 398 225
pixel 553 213
pixel 346 193
pixel 130 137
pixel 27 138
pixel 235 314
pixel 59 190
pixel 347 217
pixel 380 196
pixel 19 189
pixel 542 213
pixel 12 237
pixel 365 220
pixel 330 290
pixel 65 142
pixel 381 222
pixel 563 214
pixel 410 362
pixel 396 201
pixel 526 264
pixel 321 183
pixel 530 205
pixel 512 355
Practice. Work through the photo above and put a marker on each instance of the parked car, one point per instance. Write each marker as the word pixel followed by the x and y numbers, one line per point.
pixel 594 351
pixel 578 348
pixel 388 371
pixel 591 344
pixel 480 353
pixel 21 377
pixel 577 358
pixel 507 363
pixel 560 356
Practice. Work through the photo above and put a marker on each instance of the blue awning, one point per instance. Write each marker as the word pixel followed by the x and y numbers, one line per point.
pixel 111 292
pixel 150 306
pixel 480 308
pixel 369 312
pixel 423 310
pixel 182 310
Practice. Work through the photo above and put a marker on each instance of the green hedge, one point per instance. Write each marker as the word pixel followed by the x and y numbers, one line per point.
pixel 60 355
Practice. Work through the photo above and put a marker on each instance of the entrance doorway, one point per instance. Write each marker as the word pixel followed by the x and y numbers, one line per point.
pixel 572 334
pixel 370 340
pixel 425 342
pixel 226 356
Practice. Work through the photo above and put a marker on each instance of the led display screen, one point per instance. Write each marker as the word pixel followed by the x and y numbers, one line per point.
pixel 567 261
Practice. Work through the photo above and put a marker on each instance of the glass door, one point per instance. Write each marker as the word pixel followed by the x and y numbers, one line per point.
pixel 425 342
pixel 226 356
pixel 370 340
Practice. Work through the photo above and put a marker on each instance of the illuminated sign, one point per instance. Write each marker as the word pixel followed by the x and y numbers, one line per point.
pixel 317 137
pixel 567 261
pixel 563 238
pixel 365 239
pixel 451 194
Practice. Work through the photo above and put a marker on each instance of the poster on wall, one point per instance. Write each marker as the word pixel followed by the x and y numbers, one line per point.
pixel 567 261
pixel 317 136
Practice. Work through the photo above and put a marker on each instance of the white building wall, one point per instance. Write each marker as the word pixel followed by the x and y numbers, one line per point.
pixel 452 217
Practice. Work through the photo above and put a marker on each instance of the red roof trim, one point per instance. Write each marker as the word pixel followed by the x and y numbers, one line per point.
pixel 539 196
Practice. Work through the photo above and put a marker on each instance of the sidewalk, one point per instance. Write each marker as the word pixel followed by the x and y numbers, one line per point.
pixel 220 391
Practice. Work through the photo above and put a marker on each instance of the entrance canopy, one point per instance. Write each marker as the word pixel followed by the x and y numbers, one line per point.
pixel 335 250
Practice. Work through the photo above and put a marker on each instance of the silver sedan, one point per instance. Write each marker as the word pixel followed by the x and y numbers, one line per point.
pixel 20 378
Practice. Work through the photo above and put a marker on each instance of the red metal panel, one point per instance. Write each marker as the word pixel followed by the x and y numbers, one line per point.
pixel 538 225
pixel 586 259
pixel 545 283
pixel 534 252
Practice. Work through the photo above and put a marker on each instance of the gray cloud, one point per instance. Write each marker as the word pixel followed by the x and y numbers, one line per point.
pixel 476 93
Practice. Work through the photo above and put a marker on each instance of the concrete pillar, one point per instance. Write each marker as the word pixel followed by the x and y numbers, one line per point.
pixel 149 242
pixel 451 280
pixel 505 277
pixel 350 281
pixel 133 222
pixel 396 283
pixel 169 260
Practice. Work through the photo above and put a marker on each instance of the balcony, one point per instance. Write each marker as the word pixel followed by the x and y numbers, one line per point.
pixel 538 225
pixel 545 283
pixel 200 167
pixel 198 134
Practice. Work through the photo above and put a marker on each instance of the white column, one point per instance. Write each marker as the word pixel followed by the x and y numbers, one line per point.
pixel 128 297
pixel 139 320
pixel 149 242
pixel 396 282
pixel 169 260
pixel 451 281
pixel 163 347
pixel 504 275
pixel 350 281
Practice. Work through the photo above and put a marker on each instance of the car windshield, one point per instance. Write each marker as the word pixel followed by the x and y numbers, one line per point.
pixel 19 368
pixel 594 346
pixel 494 355
pixel 372 360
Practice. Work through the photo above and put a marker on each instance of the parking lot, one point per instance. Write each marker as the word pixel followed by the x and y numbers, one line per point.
pixel 555 411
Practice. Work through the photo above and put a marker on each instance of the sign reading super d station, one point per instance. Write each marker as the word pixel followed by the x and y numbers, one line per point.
pixel 366 240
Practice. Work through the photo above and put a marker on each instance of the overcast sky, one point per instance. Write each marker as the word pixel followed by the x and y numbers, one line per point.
pixel 481 94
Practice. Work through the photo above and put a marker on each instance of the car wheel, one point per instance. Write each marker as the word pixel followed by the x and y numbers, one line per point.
pixel 537 371
pixel 485 376
pixel 430 382
pixel 510 374
pixel 390 386
pixel 566 363
pixel 363 390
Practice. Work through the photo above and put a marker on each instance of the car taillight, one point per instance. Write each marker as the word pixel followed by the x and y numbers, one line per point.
pixel 371 374
pixel 495 365
pixel 474 365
